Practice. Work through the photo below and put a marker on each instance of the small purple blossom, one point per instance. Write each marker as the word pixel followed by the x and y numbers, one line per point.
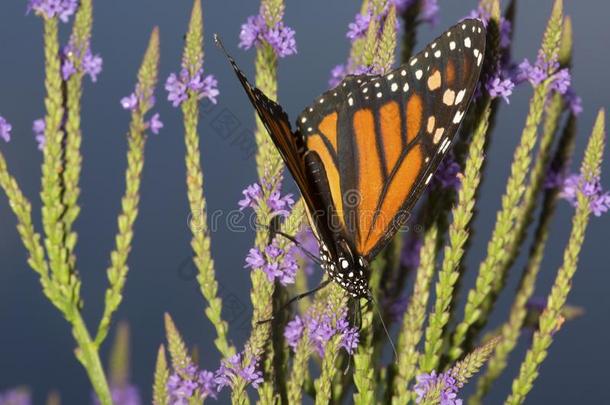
pixel 448 173
pixel 130 102
pixel 190 381
pixel 337 74
pixel 275 262
pixel 573 101
pixel 38 127
pixel 179 85
pixel 251 31
pixel 320 328
pixel 280 37
pixel 233 367
pixel 5 129
pixel 282 40
pixel 543 70
pixel 449 387
pixel 498 87
pixel 359 27
pixel 599 200
pixel 278 203
pixel 155 123
pixel 62 9
pixel 90 64
pixel 294 331
pixel 252 195
pixel 309 243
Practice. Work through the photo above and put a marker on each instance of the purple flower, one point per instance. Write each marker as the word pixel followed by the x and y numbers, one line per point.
pixel 92 65
pixel 280 204
pixel 358 28
pixel 130 102
pixel 543 70
pixel 310 244
pixel 252 195
pixel 233 367
pixel 252 31
pixel 67 69
pixel 448 385
pixel 53 8
pixel 448 173
pixel 89 63
pixel 5 129
pixel 573 101
pixel 498 87
pixel 280 37
pixel 282 40
pixel 599 201
pixel 190 381
pixel 554 179
pixel 275 262
pixel 178 86
pixel 337 74
pixel 155 124
pixel 39 127
pixel 294 331
pixel 320 328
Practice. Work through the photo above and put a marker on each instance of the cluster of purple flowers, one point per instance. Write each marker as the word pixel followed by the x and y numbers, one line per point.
pixel 275 262
pixel 90 64
pixel 280 37
pixel 234 368
pixel 449 387
pixel 321 328
pixel 599 200
pixel 428 9
pixel 134 100
pixel 561 79
pixel 255 193
pixel 62 9
pixel 179 85
pixel 191 382
pixel 5 129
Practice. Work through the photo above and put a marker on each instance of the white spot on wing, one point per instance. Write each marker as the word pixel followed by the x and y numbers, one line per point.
pixel 437 54
pixel 458 117
pixel 405 88
pixel 350 101
pixel 467 42
pixel 452 45
pixel 419 74
pixel 394 87
pixel 429 178
pixel 460 96
pixel 379 95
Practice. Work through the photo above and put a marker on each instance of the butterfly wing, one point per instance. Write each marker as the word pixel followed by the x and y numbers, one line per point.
pixel 381 138
pixel 305 167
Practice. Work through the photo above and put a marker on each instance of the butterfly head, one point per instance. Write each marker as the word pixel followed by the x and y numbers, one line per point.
pixel 348 269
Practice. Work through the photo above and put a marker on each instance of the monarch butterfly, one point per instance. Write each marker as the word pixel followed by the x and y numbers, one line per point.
pixel 364 151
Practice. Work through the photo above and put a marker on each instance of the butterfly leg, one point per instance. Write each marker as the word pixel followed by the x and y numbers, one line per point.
pixel 298 298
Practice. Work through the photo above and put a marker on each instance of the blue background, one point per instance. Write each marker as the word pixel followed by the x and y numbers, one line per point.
pixel 36 347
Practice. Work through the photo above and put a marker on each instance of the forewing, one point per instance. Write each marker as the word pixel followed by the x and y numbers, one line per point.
pixel 382 143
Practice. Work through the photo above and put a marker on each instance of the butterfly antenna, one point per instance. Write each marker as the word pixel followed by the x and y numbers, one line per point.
pixel 372 299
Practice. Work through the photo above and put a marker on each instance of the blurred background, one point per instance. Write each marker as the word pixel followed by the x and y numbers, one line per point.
pixel 36 348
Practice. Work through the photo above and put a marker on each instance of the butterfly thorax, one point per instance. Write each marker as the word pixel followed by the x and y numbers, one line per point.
pixel 350 271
